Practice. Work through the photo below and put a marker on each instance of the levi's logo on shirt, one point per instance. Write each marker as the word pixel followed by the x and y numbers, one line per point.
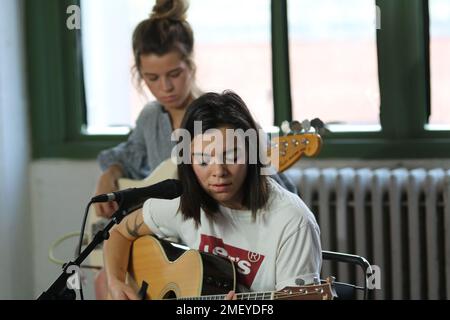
pixel 246 262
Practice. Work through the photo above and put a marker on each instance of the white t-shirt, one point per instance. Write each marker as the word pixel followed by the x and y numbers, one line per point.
pixel 281 248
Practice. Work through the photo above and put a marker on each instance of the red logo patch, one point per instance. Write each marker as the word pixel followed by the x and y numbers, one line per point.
pixel 247 263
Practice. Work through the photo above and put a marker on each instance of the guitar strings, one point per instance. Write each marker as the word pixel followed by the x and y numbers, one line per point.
pixel 276 295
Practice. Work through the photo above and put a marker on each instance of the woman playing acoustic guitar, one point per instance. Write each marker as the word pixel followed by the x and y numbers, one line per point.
pixel 228 207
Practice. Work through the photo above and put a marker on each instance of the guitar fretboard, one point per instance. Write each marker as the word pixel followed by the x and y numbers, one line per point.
pixel 240 296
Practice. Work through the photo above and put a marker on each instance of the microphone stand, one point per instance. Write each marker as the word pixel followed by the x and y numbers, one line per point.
pixel 59 289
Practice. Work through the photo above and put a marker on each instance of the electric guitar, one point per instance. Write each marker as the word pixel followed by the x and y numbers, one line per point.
pixel 284 152
pixel 172 272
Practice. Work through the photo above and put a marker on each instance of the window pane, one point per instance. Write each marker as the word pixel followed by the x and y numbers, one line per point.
pixel 440 63
pixel 231 52
pixel 111 96
pixel 334 69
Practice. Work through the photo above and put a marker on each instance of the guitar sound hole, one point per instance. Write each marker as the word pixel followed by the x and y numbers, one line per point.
pixel 170 295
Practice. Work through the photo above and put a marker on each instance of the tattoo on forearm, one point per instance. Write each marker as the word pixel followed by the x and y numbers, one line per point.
pixel 134 230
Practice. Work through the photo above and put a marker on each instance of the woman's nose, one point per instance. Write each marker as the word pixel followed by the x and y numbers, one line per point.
pixel 167 84
pixel 220 170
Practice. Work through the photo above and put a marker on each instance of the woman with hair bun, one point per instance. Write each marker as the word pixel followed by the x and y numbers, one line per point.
pixel 163 59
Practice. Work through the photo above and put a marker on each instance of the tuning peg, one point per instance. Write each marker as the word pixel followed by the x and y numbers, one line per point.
pixel 296 127
pixel 306 125
pixel 286 127
pixel 319 126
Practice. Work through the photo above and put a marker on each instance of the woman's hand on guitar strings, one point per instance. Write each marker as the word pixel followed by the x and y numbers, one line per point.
pixel 121 291
pixel 231 296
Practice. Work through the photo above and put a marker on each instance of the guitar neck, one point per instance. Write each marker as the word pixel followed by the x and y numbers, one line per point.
pixel 269 295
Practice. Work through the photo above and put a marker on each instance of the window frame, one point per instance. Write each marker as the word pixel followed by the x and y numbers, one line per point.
pixel 57 100
pixel 56 90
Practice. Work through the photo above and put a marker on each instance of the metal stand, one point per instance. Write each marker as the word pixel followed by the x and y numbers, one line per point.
pixel 59 290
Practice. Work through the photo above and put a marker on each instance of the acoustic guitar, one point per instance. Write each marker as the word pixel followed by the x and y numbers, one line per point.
pixel 284 152
pixel 174 272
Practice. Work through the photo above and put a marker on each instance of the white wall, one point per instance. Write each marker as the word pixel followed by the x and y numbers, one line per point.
pixel 60 191
pixel 15 238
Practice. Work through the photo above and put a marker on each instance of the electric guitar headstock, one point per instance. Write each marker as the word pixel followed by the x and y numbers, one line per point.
pixel 299 139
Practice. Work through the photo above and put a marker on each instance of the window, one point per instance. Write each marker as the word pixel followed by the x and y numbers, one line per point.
pixel 333 56
pixel 440 63
pixel 396 84
pixel 231 52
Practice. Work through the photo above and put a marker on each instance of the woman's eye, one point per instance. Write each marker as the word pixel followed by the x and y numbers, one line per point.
pixel 201 161
pixel 152 79
pixel 175 74
pixel 205 161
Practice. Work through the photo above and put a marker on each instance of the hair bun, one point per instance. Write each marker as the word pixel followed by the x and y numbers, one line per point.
pixel 170 9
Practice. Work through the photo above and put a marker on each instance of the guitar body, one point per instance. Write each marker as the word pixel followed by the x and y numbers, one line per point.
pixel 172 272
pixel 175 272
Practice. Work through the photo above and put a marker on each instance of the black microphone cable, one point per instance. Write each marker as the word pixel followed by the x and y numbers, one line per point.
pixel 80 244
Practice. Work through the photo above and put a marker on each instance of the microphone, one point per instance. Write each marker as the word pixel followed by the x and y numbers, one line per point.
pixel 133 198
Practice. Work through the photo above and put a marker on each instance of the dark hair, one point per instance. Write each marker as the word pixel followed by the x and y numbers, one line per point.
pixel 215 111
pixel 166 30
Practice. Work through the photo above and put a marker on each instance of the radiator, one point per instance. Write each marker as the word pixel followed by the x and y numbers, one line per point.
pixel 398 219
